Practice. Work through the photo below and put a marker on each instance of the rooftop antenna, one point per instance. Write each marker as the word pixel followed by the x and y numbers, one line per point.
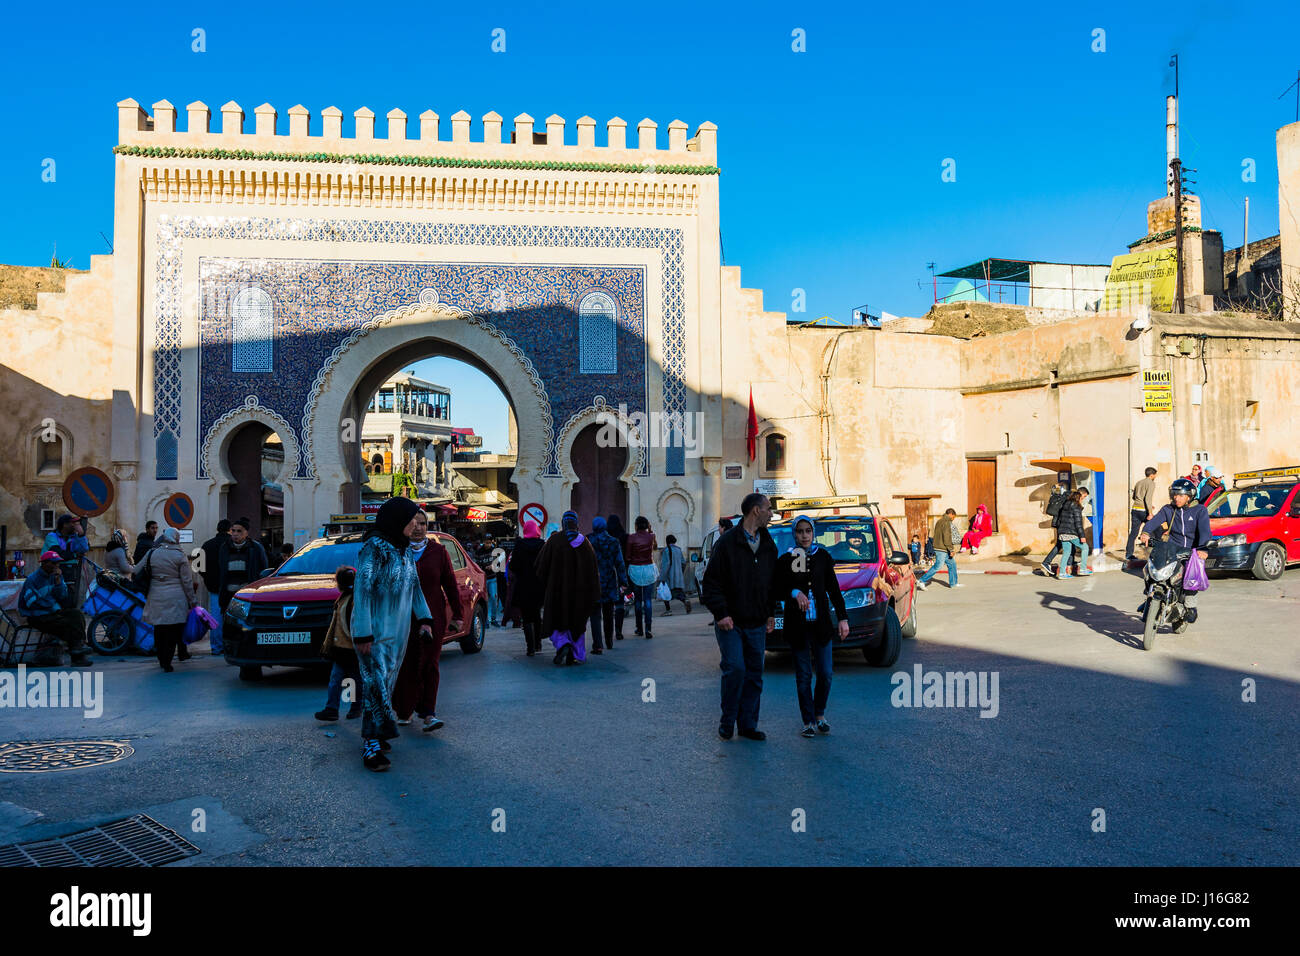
pixel 933 279
pixel 1296 84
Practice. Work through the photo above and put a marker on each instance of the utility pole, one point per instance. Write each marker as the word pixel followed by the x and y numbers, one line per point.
pixel 934 280
pixel 1176 171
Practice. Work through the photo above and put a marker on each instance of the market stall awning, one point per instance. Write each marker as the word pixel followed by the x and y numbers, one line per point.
pixel 1063 463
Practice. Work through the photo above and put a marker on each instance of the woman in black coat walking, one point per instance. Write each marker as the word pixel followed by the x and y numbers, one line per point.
pixel 526 588
pixel 614 528
pixel 806 582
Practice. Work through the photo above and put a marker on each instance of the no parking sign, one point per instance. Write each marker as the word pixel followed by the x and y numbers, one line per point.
pixel 88 492
pixel 533 512
pixel 178 510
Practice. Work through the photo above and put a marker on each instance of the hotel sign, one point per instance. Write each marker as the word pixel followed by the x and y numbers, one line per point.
pixel 1157 391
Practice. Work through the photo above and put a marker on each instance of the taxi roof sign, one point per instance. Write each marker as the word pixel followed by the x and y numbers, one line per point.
pixel 810 504
pixel 1288 471
pixel 352 519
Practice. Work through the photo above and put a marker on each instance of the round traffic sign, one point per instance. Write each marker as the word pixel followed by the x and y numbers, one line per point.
pixel 178 510
pixel 533 512
pixel 88 492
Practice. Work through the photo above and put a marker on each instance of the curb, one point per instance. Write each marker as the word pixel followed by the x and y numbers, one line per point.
pixel 1117 566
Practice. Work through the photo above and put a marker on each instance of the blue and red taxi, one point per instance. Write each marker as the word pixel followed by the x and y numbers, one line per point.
pixel 873 569
pixel 1256 524
pixel 280 619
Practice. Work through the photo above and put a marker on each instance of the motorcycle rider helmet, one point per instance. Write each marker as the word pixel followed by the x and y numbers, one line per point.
pixel 1182 486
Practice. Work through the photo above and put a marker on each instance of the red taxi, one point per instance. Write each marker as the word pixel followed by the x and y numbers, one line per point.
pixel 281 619
pixel 874 572
pixel 1256 525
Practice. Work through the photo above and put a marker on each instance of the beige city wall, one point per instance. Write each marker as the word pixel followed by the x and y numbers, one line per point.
pixel 54 367
pixel 890 419
pixel 1246 361
pixel 1044 392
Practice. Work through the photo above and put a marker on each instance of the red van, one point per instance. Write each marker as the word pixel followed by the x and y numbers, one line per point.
pixel 1256 525
pixel 281 619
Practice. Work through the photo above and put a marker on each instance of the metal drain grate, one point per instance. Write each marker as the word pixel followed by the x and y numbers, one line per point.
pixel 136 841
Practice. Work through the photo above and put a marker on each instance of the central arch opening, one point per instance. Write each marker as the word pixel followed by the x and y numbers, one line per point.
pixel 436 424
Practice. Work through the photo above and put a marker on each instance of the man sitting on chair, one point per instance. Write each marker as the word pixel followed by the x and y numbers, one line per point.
pixel 41 602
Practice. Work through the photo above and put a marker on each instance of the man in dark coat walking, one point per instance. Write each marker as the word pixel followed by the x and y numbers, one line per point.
pixel 567 566
pixel 738 592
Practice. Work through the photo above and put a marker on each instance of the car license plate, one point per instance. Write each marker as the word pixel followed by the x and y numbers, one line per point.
pixel 285 637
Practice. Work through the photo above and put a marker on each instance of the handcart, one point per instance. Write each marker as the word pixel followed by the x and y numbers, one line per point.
pixel 115 614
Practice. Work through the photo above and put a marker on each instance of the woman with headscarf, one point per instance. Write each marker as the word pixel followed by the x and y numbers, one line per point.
pixel 171 595
pixel 981 526
pixel 526 590
pixel 116 558
pixel 416 690
pixel 386 595
pixel 567 568
pixel 805 580
pixel 614 527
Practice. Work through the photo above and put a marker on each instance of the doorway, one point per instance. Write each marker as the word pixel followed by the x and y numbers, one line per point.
pixel 982 487
pixel 255 458
pixel 598 490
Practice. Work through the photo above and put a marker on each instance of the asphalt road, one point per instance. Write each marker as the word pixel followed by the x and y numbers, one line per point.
pixel 587 772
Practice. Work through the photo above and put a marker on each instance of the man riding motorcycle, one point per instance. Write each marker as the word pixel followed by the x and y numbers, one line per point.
pixel 1188 525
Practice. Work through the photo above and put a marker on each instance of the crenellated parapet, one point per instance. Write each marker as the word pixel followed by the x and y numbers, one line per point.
pixel 550 144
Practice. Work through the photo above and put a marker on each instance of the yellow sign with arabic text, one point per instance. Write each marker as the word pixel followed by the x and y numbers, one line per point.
pixel 1141 278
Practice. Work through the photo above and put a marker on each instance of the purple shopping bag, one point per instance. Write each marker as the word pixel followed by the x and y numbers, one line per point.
pixel 1194 576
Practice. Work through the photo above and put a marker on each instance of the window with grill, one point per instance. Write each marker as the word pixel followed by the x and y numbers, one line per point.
pixel 597 335
pixel 252 338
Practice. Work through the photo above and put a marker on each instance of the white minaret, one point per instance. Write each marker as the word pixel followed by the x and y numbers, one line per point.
pixel 1171 140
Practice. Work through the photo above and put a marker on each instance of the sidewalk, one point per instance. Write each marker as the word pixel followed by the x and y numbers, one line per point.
pixel 1026 563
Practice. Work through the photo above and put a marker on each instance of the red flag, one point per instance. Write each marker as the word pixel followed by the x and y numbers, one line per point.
pixel 751 431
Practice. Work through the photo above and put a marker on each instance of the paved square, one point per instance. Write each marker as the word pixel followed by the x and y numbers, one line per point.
pixel 585 771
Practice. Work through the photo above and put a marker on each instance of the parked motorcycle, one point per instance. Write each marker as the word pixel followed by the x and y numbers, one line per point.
pixel 1167 602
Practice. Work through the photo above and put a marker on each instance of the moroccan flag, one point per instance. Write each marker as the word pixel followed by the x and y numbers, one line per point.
pixel 751 430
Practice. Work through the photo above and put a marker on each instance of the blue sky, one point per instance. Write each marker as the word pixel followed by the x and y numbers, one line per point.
pixel 831 158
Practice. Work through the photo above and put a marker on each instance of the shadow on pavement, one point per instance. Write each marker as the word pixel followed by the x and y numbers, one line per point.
pixel 1123 627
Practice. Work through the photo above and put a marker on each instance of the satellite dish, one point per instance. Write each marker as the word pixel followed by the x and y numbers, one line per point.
pixel 1142 322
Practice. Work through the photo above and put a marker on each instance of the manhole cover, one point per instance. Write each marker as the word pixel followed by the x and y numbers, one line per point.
pixel 42 756
pixel 136 841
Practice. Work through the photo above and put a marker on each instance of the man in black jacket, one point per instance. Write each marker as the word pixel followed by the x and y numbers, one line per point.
pixel 211 575
pixel 144 541
pixel 241 560
pixel 738 591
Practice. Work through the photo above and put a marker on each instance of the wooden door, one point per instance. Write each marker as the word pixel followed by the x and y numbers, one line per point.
pixel 982 487
pixel 918 519
pixel 598 490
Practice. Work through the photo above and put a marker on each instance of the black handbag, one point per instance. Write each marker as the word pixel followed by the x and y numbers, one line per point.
pixel 142 580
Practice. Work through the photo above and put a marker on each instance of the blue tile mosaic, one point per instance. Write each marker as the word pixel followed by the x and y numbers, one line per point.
pixel 315 302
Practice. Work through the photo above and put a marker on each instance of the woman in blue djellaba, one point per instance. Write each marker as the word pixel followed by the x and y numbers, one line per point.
pixel 385 597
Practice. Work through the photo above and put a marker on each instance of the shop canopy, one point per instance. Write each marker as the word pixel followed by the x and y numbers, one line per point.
pixel 1064 463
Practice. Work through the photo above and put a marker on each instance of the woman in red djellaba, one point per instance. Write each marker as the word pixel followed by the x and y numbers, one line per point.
pixel 981 526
